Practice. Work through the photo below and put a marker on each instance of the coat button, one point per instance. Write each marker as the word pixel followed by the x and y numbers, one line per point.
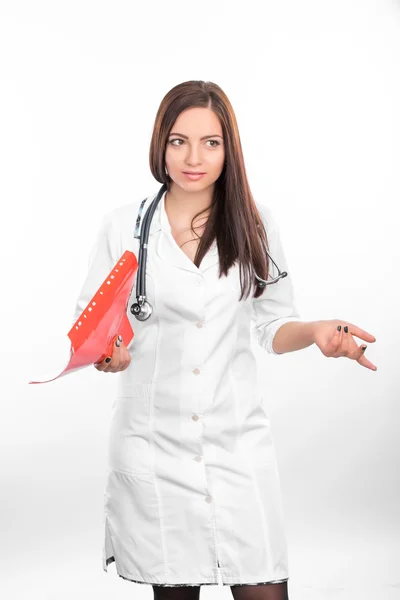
pixel 196 371
pixel 198 458
pixel 208 499
pixel 199 324
pixel 195 417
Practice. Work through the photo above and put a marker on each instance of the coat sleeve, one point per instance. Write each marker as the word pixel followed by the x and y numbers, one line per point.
pixel 102 257
pixel 277 303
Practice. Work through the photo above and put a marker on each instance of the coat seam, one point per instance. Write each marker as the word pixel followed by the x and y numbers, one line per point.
pixel 213 518
pixel 152 451
pixel 259 501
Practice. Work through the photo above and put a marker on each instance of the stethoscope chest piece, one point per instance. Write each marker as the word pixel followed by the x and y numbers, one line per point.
pixel 141 312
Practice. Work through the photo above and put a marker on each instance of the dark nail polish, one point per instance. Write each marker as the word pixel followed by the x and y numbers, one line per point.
pixel 108 359
pixel 346 329
pixel 339 327
pixel 363 347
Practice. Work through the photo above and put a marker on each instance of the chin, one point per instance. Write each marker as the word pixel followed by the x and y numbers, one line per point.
pixel 189 185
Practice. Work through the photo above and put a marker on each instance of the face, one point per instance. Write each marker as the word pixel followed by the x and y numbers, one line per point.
pixel 195 143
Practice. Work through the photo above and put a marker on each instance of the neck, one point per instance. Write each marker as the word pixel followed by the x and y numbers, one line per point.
pixel 182 205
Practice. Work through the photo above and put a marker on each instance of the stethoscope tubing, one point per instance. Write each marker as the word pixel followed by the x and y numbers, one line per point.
pixel 142 309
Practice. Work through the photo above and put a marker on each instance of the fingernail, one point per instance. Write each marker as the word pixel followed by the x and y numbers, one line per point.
pixel 120 338
pixel 108 359
pixel 346 329
pixel 118 343
pixel 339 327
pixel 363 348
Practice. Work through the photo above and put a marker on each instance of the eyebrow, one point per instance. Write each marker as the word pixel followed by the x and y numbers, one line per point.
pixel 202 138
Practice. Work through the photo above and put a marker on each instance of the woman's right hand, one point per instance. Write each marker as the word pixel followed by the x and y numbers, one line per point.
pixel 119 361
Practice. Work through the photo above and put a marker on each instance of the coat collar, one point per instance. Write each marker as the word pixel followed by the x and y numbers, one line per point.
pixel 167 248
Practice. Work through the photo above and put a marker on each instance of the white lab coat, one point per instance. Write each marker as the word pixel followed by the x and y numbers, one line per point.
pixel 193 488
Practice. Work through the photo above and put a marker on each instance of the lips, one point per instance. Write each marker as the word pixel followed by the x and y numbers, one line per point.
pixel 193 176
pixel 193 172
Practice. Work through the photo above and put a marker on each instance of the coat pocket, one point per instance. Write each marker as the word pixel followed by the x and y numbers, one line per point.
pixel 129 446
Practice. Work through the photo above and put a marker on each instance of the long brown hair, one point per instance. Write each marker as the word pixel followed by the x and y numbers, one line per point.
pixel 233 219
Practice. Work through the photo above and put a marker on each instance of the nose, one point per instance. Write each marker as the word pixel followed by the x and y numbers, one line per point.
pixel 193 156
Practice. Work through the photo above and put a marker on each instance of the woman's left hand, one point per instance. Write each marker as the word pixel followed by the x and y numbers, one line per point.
pixel 334 342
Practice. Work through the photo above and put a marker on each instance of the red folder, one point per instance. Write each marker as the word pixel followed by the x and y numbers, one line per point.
pixel 104 318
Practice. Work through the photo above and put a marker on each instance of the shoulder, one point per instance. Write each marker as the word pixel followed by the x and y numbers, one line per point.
pixel 126 213
pixel 119 223
pixel 121 220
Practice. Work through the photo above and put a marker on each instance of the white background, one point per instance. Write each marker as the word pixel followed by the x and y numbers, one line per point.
pixel 315 87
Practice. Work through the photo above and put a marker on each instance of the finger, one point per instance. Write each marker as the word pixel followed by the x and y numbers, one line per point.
pixel 355 352
pixel 337 340
pixel 125 358
pixel 361 333
pixel 119 345
pixel 361 349
pixel 363 361
pixel 101 366
pixel 113 365
pixel 348 343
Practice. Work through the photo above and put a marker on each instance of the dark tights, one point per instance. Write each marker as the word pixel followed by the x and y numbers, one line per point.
pixel 271 591
pixel 190 592
pixel 268 591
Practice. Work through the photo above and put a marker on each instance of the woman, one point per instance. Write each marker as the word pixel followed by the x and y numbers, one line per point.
pixel 193 487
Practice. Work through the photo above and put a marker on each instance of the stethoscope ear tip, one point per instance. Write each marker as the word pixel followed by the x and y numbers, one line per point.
pixel 262 283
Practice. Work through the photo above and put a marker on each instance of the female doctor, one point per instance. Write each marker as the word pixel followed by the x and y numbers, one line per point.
pixel 193 488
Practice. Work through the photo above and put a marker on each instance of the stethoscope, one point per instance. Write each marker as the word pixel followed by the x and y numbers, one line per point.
pixel 142 309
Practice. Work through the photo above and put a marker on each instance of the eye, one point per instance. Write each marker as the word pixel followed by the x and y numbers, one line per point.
pixel 215 142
